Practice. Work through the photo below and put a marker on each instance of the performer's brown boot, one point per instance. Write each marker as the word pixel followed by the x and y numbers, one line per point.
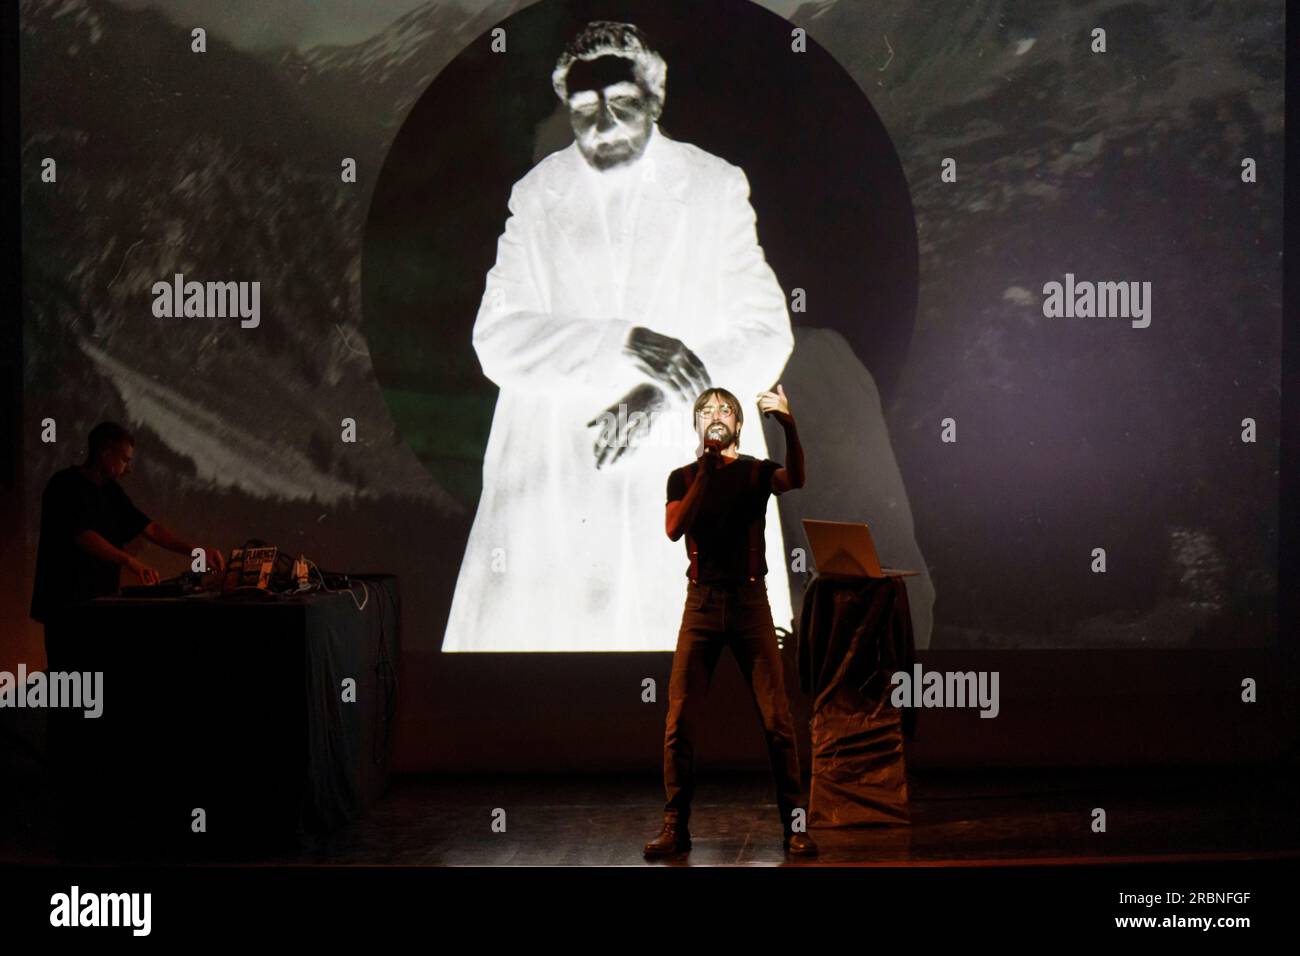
pixel 800 844
pixel 675 838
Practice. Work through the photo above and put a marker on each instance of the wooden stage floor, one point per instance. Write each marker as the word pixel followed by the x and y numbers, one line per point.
pixel 986 817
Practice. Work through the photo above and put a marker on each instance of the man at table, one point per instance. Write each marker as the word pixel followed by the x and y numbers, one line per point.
pixel 86 520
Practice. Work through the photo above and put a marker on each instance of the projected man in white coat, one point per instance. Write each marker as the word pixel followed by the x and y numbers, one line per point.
pixel 628 278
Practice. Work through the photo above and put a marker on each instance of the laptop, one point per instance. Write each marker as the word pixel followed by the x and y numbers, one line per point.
pixel 845 548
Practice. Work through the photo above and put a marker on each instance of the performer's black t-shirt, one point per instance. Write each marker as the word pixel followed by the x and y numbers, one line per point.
pixel 65 573
pixel 728 540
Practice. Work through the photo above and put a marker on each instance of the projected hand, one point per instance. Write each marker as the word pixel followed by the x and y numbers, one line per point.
pixel 668 361
pixel 619 432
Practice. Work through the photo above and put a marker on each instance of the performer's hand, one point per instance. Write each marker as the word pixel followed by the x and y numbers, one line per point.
pixel 216 559
pixel 774 402
pixel 668 361
pixel 146 574
pixel 610 446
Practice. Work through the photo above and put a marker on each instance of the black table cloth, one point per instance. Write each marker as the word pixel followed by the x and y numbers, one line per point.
pixel 233 707
pixel 854 633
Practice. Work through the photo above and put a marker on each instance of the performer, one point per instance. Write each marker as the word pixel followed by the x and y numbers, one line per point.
pixel 86 520
pixel 629 278
pixel 718 503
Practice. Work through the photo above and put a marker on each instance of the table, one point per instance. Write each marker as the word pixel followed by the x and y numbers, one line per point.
pixel 233 707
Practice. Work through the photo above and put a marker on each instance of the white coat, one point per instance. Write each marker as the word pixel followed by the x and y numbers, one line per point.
pixel 562 556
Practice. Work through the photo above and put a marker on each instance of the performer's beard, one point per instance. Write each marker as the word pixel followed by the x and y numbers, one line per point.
pixel 720 432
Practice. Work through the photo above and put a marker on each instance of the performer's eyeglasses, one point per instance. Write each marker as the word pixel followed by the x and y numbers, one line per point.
pixel 724 410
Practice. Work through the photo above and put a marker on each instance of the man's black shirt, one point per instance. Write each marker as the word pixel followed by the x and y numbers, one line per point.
pixel 727 543
pixel 65 573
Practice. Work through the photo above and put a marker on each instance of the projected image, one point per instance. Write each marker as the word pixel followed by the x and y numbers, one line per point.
pixel 620 249
pixel 1029 258
pixel 628 276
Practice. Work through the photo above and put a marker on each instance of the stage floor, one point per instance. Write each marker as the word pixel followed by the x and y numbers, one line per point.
pixel 985 817
pixel 969 817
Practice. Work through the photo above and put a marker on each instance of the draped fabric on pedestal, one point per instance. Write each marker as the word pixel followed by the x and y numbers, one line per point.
pixel 854 633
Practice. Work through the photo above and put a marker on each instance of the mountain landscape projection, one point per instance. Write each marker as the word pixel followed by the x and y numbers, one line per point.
pixel 1073 434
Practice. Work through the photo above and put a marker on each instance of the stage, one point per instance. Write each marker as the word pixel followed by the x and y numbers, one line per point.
pixel 962 818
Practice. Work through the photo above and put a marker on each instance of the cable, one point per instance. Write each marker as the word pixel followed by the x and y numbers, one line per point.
pixel 324 587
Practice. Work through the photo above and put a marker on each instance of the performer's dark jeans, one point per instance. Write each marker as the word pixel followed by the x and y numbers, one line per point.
pixel 741 618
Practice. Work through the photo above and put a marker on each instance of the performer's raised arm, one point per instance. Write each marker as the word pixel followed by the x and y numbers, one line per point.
pixel 791 475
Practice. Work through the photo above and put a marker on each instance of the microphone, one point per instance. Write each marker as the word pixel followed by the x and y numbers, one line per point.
pixel 713 437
